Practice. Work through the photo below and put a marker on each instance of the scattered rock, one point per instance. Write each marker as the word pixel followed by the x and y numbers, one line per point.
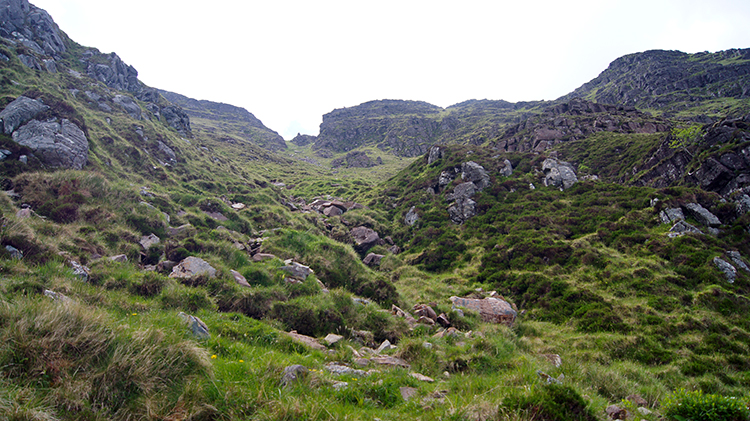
pixel 507 170
pixel 80 271
pixel 682 227
pixel 737 259
pixel 165 266
pixel 259 257
pixel 422 377
pixel 616 413
pixel 476 174
pixel 149 241
pixel 196 325
pixel 332 339
pixel 411 217
pixel 340 369
pixel 490 309
pixel 702 215
pixel 239 278
pixel 373 259
pixel 385 346
pixel 408 392
pixel 364 239
pixel 549 379
pixel 362 337
pixel 120 258
pixel 637 400
pixel 434 154
pixel 423 310
pixel 554 359
pixel 337 385
pixel 389 361
pixel 443 321
pixel 191 267
pixel 292 373
pixel 14 252
pixel 558 173
pixel 729 271
pixel 306 341
pixel 183 231
pixel 671 215
pixel 57 296
pixel 297 270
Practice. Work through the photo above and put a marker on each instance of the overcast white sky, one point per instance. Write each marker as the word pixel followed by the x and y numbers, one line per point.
pixel 290 61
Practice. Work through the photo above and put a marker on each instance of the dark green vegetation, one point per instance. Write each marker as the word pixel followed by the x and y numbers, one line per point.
pixel 596 280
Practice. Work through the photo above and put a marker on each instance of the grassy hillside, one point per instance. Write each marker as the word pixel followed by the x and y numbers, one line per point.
pixel 611 310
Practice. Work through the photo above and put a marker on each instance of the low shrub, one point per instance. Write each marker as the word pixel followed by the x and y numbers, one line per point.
pixel 685 405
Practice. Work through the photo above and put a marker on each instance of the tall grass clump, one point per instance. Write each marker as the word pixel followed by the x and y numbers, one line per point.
pixel 78 360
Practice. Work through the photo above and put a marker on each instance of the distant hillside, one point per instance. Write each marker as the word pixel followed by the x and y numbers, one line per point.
pixel 228 119
pixel 675 83
pixel 409 128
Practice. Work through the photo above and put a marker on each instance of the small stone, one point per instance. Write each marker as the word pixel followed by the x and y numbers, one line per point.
pixel 14 252
pixel 80 271
pixel 199 329
pixel 332 339
pixel 373 259
pixel 408 392
pixel 554 359
pixel 239 278
pixel 637 400
pixel 306 340
pixel 337 385
pixel 386 345
pixel 23 213
pixel 259 257
pixel 149 241
pixel 422 377
pixel 120 258
pixel 292 373
pixel 617 413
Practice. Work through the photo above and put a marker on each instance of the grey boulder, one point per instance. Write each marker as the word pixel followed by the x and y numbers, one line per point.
pixel 21 110
pixel 56 144
pixel 558 173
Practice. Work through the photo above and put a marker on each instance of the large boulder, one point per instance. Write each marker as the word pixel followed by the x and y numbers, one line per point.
pixel 702 215
pixel 558 173
pixel 463 207
pixel 490 309
pixel 364 239
pixel 21 110
pixel 475 173
pixel 56 144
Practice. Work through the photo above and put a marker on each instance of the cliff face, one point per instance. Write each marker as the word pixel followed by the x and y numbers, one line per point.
pixel 409 128
pixel 674 82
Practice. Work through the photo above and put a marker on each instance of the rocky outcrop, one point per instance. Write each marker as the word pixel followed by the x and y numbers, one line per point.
pixel 176 118
pixel 31 26
pixel 671 79
pixel 355 159
pixel 412 216
pixel 303 139
pixel 18 112
pixel 558 173
pixel 112 71
pixel 463 206
pixel 573 120
pixel 57 144
pixel 235 122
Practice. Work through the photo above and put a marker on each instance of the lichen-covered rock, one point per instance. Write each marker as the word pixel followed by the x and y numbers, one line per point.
pixel 21 110
pixel 412 216
pixel 702 215
pixel 57 144
pixel 297 270
pixel 729 271
pixel 434 154
pixel 364 239
pixel 191 267
pixel 671 215
pixel 490 309
pixel 475 173
pixel 558 173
